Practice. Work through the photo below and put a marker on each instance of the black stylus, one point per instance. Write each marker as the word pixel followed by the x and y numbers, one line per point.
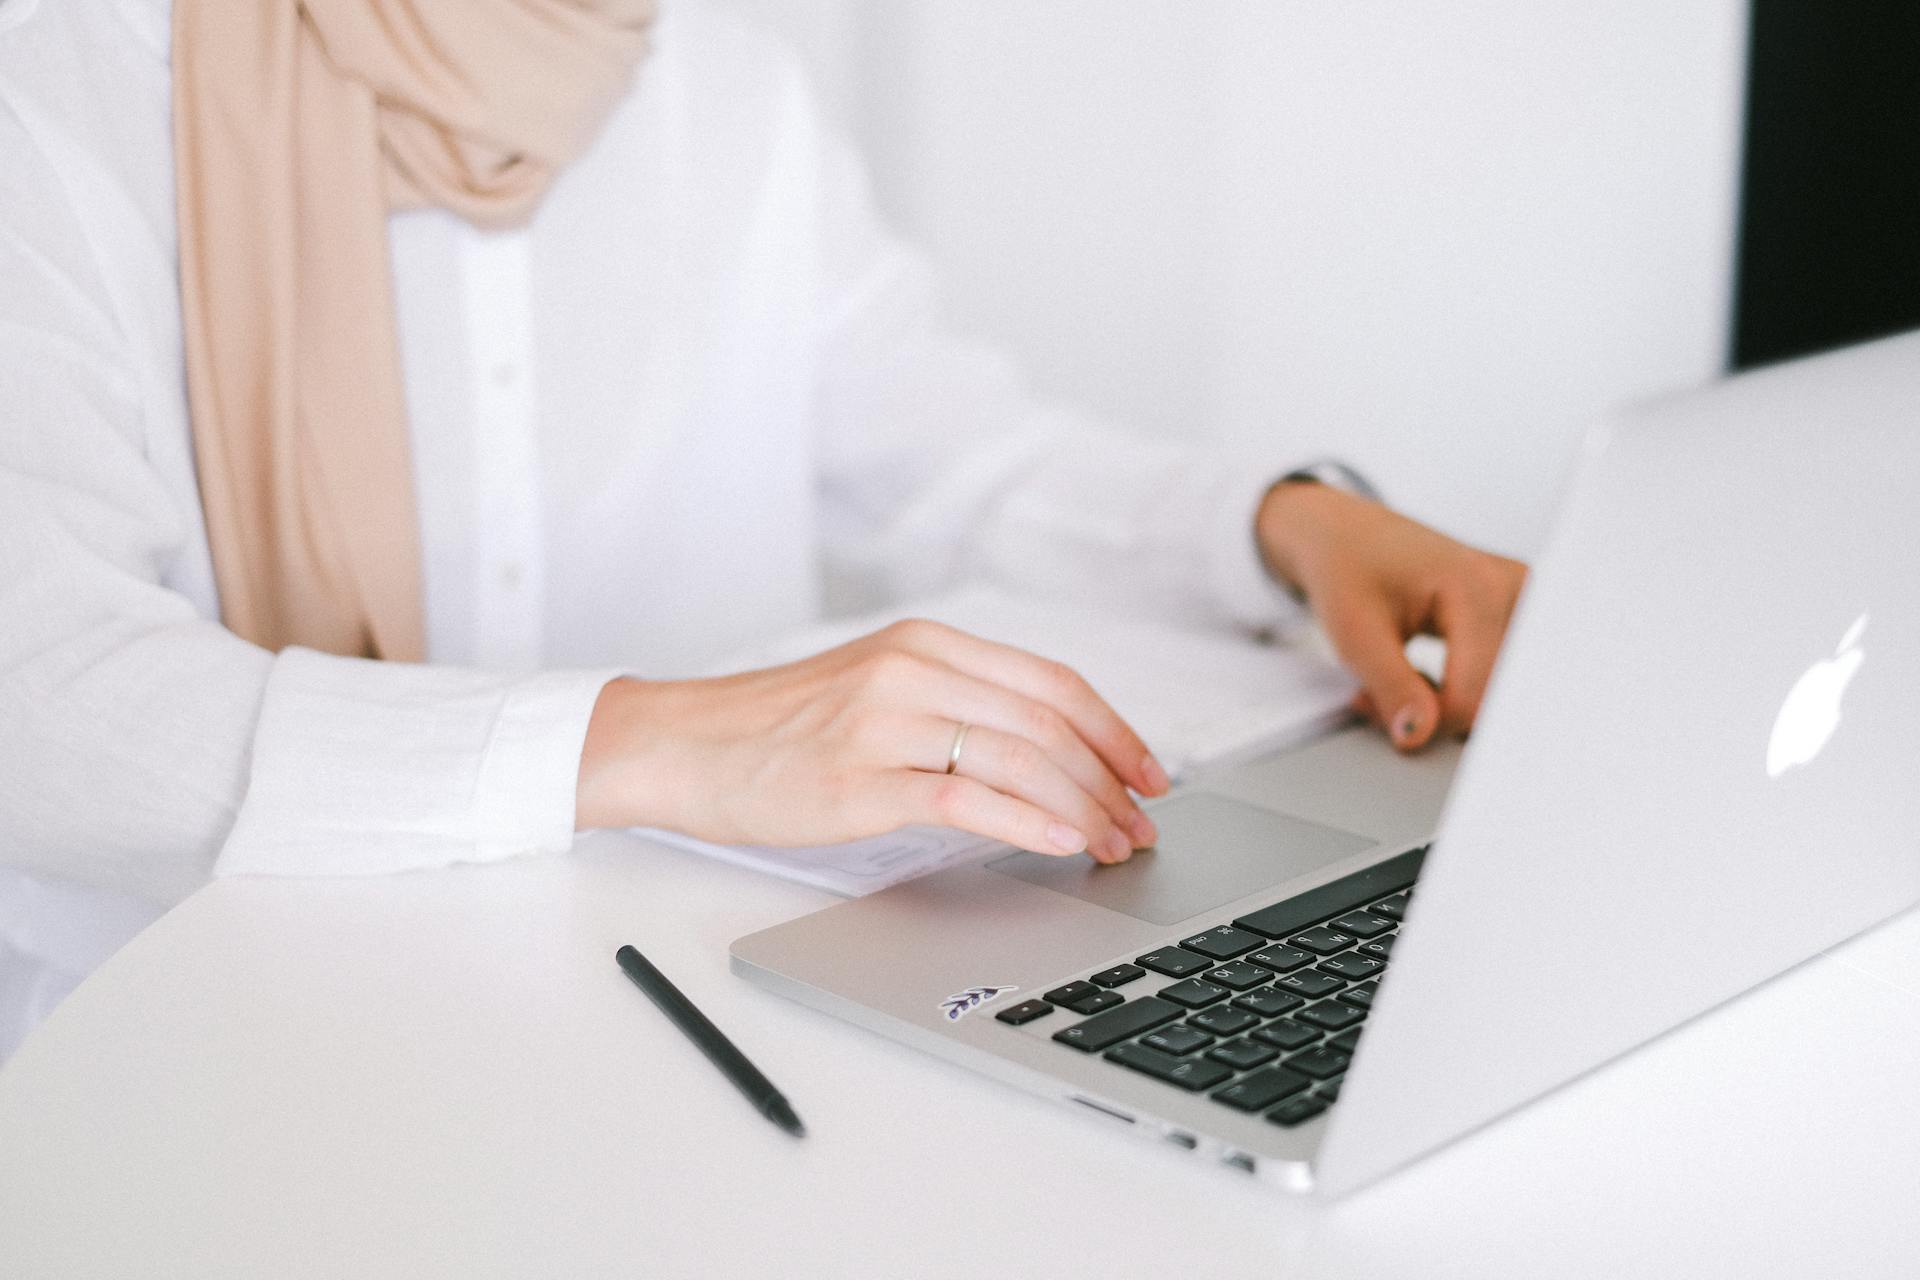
pixel 745 1076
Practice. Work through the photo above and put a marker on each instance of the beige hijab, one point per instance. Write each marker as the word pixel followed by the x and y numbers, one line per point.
pixel 298 124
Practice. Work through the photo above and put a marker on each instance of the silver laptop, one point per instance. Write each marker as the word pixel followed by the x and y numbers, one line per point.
pixel 1698 764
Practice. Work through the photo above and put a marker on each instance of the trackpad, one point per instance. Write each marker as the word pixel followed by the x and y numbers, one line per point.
pixel 1212 850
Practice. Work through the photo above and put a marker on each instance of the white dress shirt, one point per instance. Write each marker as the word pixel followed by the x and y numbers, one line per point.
pixel 703 398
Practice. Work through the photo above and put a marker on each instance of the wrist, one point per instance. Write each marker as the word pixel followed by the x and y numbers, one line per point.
pixel 621 781
pixel 1292 515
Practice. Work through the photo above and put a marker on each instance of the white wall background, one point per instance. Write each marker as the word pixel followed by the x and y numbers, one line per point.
pixel 1437 238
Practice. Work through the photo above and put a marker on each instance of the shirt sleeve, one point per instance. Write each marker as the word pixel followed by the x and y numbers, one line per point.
pixel 143 746
pixel 939 465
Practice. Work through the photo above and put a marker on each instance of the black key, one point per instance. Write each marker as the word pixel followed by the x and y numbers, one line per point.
pixel 1322 1063
pixel 1330 1014
pixel 1321 941
pixel 1361 997
pixel 1095 1003
pixel 1223 1021
pixel 1343 895
pixel 1262 1089
pixel 1351 967
pixel 1173 962
pixel 1345 1041
pixel 1238 976
pixel 1394 908
pixel 1330 1091
pixel 1281 959
pixel 1268 1003
pixel 1285 1034
pixel 1177 1040
pixel 1223 942
pixel 1193 993
pixel 1118 976
pixel 1360 924
pixel 1191 1074
pixel 1024 1012
pixel 1243 1055
pixel 1311 983
pixel 1379 948
pixel 1115 1025
pixel 1072 991
pixel 1296 1111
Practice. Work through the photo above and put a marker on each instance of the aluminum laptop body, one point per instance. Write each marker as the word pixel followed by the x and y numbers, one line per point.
pixel 1698 764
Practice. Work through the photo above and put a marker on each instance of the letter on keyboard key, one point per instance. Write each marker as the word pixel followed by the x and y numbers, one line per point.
pixel 1330 1014
pixel 1239 976
pixel 1281 959
pixel 1351 967
pixel 1360 924
pixel 1224 942
pixel 1194 993
pixel 1173 962
pixel 1311 984
pixel 1115 1025
pixel 1322 1063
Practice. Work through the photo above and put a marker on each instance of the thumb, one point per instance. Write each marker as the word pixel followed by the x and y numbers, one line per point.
pixel 1365 636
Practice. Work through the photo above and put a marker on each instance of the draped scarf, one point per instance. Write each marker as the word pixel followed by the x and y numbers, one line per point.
pixel 297 126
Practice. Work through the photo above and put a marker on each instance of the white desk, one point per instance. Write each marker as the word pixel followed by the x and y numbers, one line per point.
pixel 446 1075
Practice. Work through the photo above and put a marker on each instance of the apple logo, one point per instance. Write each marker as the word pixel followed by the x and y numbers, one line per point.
pixel 1812 710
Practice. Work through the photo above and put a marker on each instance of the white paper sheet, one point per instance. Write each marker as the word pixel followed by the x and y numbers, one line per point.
pixel 1197 698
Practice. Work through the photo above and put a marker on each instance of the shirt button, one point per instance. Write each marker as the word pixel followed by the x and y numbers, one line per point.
pixel 512 573
pixel 505 374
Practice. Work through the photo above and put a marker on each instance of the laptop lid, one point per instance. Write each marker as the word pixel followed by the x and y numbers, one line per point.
pixel 1698 763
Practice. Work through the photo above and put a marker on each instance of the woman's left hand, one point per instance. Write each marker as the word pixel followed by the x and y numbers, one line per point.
pixel 1375 579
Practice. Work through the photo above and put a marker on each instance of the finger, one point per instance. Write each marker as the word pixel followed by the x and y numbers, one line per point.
pixel 1473 642
pixel 1367 638
pixel 1017 767
pixel 1362 705
pixel 1052 683
pixel 951 800
pixel 948 692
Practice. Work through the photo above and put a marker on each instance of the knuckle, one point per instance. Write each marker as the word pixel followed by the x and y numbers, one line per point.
pixel 1024 758
pixel 1063 680
pixel 1492 579
pixel 887 668
pixel 1043 724
pixel 910 631
pixel 952 800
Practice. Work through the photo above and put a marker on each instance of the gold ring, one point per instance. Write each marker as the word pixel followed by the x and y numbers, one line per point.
pixel 959 741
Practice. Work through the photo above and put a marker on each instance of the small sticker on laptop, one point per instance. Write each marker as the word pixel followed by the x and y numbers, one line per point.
pixel 961 1003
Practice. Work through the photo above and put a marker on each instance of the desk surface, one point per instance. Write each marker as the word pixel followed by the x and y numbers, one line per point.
pixel 446 1075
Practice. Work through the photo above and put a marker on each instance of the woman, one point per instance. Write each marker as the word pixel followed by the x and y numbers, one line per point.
pixel 329 539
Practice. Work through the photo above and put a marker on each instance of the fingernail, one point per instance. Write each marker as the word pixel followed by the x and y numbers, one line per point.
pixel 1065 838
pixel 1142 828
pixel 1406 724
pixel 1154 776
pixel 1118 849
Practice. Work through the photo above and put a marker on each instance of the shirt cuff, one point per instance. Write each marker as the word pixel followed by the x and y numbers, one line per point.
pixel 1240 581
pixel 364 768
pixel 1237 576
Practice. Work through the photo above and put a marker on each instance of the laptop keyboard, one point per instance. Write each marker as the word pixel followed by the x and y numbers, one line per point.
pixel 1264 1010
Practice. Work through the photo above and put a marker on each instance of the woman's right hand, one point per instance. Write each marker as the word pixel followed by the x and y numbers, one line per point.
pixel 853 742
